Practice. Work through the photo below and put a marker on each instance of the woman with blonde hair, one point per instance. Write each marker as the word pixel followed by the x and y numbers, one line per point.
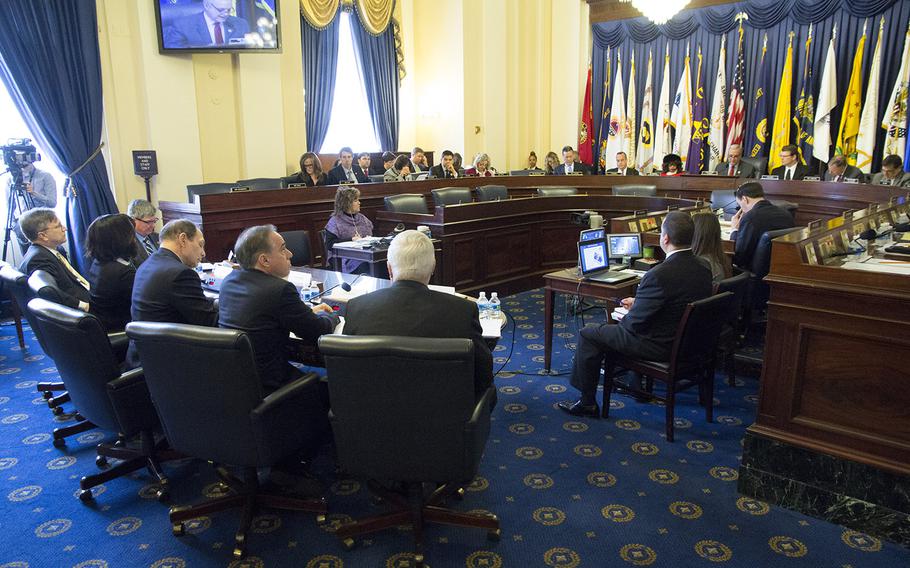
pixel 347 223
pixel 551 162
pixel 481 167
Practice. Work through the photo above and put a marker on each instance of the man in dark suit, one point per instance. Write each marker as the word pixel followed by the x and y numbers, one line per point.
pixel 569 165
pixel 167 289
pixel 45 231
pixel 212 27
pixel 648 329
pixel 892 173
pixel 734 166
pixel 144 218
pixel 446 168
pixel 756 216
pixel 790 167
pixel 419 161
pixel 258 300
pixel 839 170
pixel 346 171
pixel 410 308
pixel 622 163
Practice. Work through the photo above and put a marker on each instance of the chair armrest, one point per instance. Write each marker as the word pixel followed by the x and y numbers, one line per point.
pixel 119 343
pixel 132 403
pixel 483 406
pixel 127 379
pixel 288 420
pixel 476 432
pixel 286 393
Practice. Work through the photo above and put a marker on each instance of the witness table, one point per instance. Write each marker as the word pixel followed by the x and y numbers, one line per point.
pixel 376 256
pixel 567 282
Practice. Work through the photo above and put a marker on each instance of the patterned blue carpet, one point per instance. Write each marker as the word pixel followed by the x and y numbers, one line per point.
pixel 569 492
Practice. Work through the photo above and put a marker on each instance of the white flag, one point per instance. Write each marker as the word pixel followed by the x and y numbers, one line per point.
pixel 616 142
pixel 865 140
pixel 827 100
pixel 718 111
pixel 661 134
pixel 631 117
pixel 681 117
pixel 645 155
pixel 895 119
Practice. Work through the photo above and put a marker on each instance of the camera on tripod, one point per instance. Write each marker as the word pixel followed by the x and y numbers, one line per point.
pixel 18 153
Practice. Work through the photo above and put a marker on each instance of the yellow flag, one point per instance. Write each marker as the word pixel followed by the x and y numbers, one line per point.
pixel 781 128
pixel 849 121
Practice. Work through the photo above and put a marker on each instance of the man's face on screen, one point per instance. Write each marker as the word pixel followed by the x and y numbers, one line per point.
pixel 217 10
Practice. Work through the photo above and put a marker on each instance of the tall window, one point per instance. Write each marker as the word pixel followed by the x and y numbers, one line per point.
pixel 350 123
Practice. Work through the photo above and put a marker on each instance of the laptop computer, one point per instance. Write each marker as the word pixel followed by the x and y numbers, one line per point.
pixel 594 263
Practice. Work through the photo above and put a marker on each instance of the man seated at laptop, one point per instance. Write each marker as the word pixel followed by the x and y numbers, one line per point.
pixel 648 329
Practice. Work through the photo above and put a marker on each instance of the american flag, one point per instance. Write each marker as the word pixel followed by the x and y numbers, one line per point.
pixel 736 118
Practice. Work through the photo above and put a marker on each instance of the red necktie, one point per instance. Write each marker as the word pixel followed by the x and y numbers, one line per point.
pixel 731 170
pixel 219 38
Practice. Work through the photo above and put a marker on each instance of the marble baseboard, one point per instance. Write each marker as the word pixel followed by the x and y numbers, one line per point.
pixel 840 491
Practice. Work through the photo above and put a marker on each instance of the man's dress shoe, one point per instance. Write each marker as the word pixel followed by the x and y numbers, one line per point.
pixel 578 409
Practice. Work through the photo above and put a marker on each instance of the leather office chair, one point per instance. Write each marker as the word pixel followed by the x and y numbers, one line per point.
pixel 377 178
pixel 760 165
pixel 259 183
pixel 406 203
pixel 726 199
pixel 692 359
pixel 761 265
pixel 329 239
pixel 298 242
pixel 451 195
pixel 732 331
pixel 111 400
pixel 208 395
pixel 635 189
pixel 492 193
pixel 12 280
pixel 207 189
pixel 789 206
pixel 556 191
pixel 380 388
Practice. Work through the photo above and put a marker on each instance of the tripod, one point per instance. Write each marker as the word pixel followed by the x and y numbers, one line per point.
pixel 18 202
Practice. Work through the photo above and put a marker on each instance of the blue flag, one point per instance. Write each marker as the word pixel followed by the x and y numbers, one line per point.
pixel 757 134
pixel 805 109
pixel 603 132
pixel 701 126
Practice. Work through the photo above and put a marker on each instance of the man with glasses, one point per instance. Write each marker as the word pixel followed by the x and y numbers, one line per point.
pixel 144 219
pixel 214 26
pixel 45 231
pixel 790 168
pixel 892 173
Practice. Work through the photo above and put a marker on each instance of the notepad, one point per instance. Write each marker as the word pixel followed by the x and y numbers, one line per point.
pixel 876 265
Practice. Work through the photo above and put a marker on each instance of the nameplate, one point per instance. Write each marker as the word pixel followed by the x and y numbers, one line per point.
pixel 707 173
pixel 611 173
pixel 814 225
pixel 240 188
pixel 835 222
pixel 770 177
pixel 537 174
pixel 296 185
pixel 672 208
pixel 639 212
pixel 575 174
pixel 848 214
pixel 812 178
pixel 873 207
pixel 851 180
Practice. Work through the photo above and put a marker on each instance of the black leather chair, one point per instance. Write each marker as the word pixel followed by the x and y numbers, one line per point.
pixel 259 183
pixel 492 193
pixel 194 190
pixel 733 329
pixel 381 387
pixel 111 400
pixel 724 198
pixel 298 242
pixel 635 189
pixel 8 277
pixel 789 206
pixel 556 191
pixel 451 195
pixel 692 359
pixel 760 165
pixel 207 391
pixel 761 265
pixel 406 203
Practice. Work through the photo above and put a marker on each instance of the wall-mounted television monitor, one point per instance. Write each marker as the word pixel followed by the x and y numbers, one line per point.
pixel 217 26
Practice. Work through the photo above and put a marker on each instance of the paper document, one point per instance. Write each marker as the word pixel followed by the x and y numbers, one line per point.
pixel 446 289
pixel 300 279
pixel 879 265
pixel 492 327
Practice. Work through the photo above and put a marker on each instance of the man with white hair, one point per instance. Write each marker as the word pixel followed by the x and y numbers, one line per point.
pixel 734 166
pixel 409 308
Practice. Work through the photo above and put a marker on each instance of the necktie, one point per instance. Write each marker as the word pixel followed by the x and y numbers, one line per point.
pixel 219 38
pixel 787 175
pixel 82 281
pixel 839 178
pixel 351 176
pixel 149 247
pixel 568 169
pixel 731 170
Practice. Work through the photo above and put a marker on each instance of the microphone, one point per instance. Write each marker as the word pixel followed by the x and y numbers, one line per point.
pixel 902 228
pixel 344 286
pixel 871 235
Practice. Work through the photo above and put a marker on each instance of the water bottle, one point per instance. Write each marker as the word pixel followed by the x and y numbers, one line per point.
pixel 483 305
pixel 495 306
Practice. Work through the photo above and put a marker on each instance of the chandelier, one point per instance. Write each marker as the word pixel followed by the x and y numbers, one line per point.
pixel 658 11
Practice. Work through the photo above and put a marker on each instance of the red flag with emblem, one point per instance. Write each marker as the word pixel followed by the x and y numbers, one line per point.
pixel 585 149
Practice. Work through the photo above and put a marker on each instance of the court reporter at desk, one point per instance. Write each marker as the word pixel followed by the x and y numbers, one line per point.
pixel 648 329
pixel 756 216
pixel 347 223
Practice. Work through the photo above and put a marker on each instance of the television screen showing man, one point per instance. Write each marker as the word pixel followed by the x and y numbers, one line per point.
pixel 218 24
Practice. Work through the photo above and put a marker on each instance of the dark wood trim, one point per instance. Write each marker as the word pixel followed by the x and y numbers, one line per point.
pixel 610 10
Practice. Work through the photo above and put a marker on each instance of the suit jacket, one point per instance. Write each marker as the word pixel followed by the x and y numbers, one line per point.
pixel 141 253
pixel 851 172
pixel 268 309
pixel 192 31
pixel 166 290
pixel 800 172
pixel 306 180
pixel 437 172
pixel 38 257
pixel 743 170
pixel 336 175
pixel 629 171
pixel 411 309
pixel 415 169
pixel 763 217
pixel 902 180
pixel 578 167
pixel 112 292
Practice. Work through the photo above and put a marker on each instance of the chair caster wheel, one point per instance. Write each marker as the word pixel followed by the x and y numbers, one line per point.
pixel 177 529
pixel 459 494
pixel 47 395
pixel 320 519
pixel 376 500
pixel 59 442
pixel 239 546
pixel 162 495
pixel 418 561
pixel 494 535
pixel 101 462
pixel 57 410
pixel 86 496
pixel 238 553
pixel 348 543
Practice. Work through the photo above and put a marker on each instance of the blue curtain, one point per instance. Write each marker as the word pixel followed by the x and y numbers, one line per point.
pixel 320 62
pixel 50 64
pixel 705 26
pixel 378 61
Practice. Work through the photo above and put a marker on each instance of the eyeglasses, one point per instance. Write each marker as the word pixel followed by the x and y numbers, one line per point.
pixel 308 164
pixel 151 221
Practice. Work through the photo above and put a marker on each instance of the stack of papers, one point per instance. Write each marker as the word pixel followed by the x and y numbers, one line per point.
pixel 880 265
pixel 619 313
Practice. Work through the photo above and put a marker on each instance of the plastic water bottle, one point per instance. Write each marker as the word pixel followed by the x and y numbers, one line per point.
pixel 495 306
pixel 483 305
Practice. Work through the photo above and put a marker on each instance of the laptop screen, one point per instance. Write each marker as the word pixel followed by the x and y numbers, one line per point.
pixel 591 234
pixel 592 256
pixel 628 244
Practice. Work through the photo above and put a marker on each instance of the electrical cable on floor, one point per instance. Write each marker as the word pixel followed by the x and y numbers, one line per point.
pixel 511 347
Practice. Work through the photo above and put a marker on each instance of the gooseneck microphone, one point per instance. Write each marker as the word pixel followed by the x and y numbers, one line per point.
pixel 344 286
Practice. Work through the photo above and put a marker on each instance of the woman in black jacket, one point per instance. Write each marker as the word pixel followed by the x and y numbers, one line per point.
pixel 111 244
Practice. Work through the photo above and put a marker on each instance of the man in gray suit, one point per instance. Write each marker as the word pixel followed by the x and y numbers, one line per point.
pixel 212 27
pixel 144 219
pixel 892 173
pixel 838 170
pixel 734 166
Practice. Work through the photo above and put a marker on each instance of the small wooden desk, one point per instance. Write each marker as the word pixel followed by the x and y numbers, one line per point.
pixel 376 258
pixel 567 282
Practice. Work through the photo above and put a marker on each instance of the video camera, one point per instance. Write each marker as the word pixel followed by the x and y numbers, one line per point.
pixel 17 153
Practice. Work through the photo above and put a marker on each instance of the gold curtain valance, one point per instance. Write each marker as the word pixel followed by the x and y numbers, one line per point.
pixel 375 15
pixel 319 13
